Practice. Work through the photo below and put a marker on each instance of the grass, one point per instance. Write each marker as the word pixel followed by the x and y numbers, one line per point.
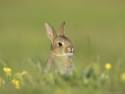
pixel 96 29
pixel 30 78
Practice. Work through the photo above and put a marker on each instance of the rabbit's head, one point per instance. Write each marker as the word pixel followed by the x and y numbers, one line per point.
pixel 60 44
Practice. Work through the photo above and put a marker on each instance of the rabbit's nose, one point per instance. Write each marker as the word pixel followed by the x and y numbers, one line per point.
pixel 70 50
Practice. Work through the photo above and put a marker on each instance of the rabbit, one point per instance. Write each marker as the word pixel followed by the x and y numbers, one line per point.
pixel 61 52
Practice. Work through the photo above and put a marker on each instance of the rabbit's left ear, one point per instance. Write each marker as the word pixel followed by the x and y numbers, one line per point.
pixel 62 29
pixel 50 32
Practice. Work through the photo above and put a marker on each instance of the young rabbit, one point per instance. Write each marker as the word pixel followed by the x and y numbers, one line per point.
pixel 60 58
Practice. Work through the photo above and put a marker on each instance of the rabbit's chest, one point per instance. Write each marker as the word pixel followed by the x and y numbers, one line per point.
pixel 64 66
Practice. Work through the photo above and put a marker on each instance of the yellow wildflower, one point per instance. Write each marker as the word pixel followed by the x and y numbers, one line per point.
pixel 122 76
pixel 8 71
pixel 108 66
pixel 16 83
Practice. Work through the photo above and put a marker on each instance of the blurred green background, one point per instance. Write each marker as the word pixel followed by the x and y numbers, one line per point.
pixel 96 28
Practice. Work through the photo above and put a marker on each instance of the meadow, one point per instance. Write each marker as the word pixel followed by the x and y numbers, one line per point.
pixel 96 28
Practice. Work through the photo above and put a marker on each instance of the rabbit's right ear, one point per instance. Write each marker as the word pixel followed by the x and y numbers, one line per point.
pixel 62 31
pixel 50 32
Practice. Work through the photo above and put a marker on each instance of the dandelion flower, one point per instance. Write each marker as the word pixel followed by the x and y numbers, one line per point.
pixel 122 76
pixel 16 83
pixel 8 71
pixel 108 66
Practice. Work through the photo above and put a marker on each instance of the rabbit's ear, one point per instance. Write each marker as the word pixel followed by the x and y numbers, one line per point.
pixel 62 29
pixel 50 32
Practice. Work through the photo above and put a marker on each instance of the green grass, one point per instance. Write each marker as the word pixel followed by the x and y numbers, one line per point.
pixel 96 29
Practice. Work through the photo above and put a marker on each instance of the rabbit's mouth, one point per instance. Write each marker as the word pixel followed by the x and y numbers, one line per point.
pixel 69 54
pixel 69 50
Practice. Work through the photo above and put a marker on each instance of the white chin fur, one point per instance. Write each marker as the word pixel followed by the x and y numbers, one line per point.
pixel 69 54
pixel 66 54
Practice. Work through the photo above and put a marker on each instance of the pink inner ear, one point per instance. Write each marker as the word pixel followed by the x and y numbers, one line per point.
pixel 48 29
pixel 50 32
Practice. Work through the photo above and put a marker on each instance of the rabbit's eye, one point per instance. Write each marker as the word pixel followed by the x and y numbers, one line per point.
pixel 60 44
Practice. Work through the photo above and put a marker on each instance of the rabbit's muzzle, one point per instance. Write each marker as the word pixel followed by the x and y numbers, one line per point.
pixel 69 50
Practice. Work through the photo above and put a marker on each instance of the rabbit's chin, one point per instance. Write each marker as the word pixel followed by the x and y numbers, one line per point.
pixel 69 54
pixel 65 54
